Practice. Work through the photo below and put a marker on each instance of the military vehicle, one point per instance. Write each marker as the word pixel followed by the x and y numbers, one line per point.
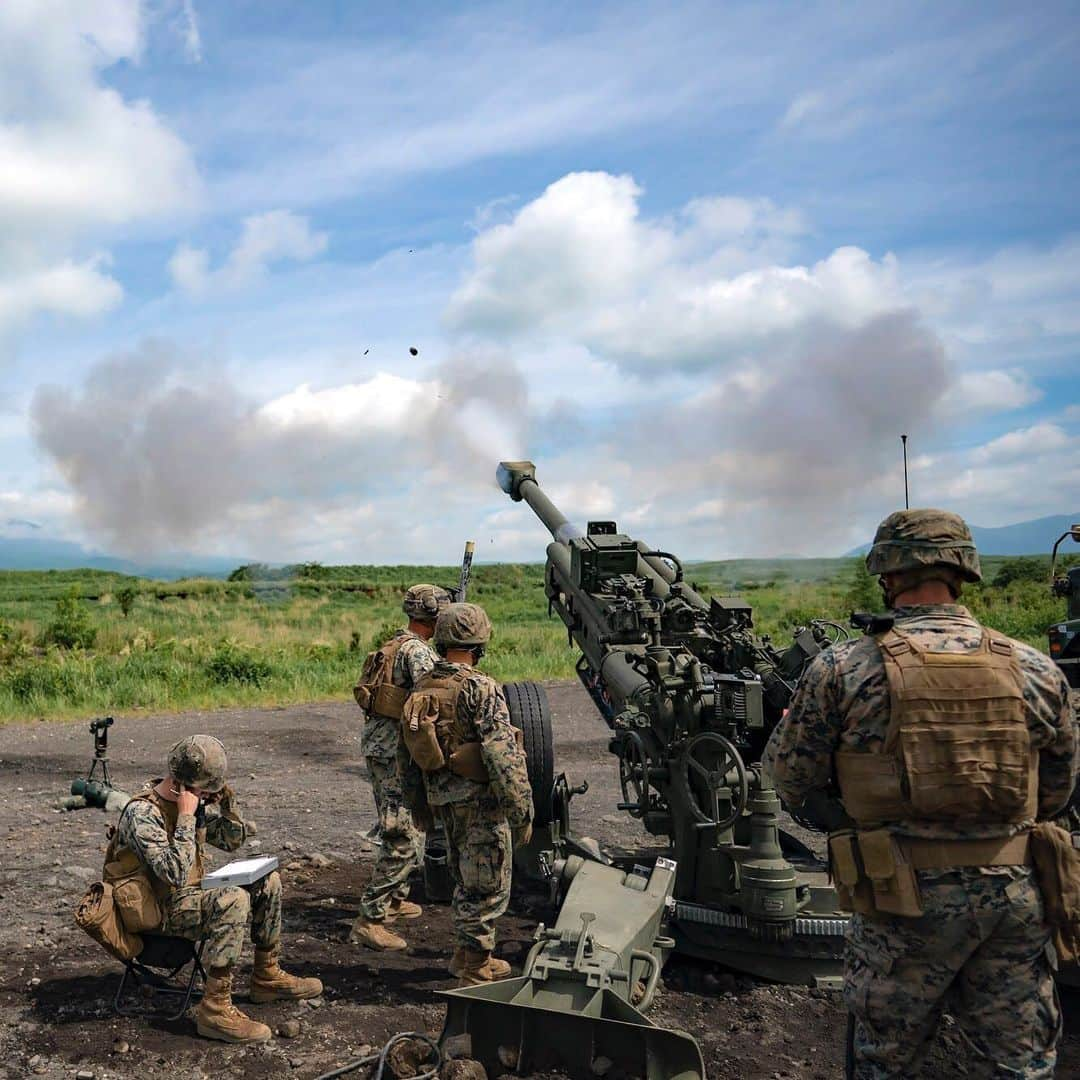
pixel 1065 636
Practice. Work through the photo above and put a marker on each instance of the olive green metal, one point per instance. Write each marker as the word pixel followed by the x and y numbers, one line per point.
pixel 585 981
pixel 1065 636
pixel 99 795
pixel 691 694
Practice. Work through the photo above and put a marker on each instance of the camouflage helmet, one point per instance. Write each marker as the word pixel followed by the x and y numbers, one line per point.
pixel 425 602
pixel 462 626
pixel 917 539
pixel 198 762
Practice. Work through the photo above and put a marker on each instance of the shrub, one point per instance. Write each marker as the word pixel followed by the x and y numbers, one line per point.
pixel 863 592
pixel 71 627
pixel 1021 569
pixel 41 681
pixel 231 664
pixel 125 597
pixel 383 634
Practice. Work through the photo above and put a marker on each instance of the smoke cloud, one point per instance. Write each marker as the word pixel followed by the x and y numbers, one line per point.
pixel 163 455
pixel 772 394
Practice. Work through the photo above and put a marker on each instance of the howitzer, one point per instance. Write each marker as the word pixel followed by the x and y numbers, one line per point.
pixel 691 694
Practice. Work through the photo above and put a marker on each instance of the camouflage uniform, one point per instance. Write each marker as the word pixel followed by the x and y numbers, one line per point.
pixel 402 843
pixel 171 846
pixel 478 817
pixel 982 941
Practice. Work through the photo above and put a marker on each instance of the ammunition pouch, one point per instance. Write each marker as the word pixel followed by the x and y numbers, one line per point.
pixel 389 700
pixel 1057 869
pixel 853 888
pixel 875 871
pixel 97 914
pixel 468 761
pixel 134 898
pixel 872 874
pixel 419 734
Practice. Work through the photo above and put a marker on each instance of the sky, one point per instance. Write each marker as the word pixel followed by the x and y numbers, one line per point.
pixel 286 281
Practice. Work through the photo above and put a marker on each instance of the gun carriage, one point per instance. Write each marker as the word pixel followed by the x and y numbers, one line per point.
pixel 690 694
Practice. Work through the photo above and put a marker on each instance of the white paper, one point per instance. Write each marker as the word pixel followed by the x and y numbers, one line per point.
pixel 241 872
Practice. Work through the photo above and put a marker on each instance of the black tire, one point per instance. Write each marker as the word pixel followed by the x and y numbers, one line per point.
pixel 530 712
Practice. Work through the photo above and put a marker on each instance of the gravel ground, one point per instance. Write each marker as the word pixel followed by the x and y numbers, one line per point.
pixel 298 775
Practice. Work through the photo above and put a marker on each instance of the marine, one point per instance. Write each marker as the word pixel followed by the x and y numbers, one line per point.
pixel 389 674
pixel 937 744
pixel 463 764
pixel 160 845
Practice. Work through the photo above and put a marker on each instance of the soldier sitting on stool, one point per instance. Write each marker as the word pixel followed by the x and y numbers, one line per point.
pixel 162 831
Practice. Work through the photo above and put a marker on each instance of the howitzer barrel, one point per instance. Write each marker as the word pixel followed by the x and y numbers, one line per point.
pixel 518 480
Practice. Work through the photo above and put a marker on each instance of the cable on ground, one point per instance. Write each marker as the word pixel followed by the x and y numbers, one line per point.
pixel 381 1057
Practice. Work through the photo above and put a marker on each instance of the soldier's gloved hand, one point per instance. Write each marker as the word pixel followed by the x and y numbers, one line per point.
pixel 225 798
pixel 424 819
pixel 521 835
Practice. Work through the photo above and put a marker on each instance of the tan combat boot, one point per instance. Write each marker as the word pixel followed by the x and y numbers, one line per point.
pixel 474 968
pixel 375 935
pixel 270 983
pixel 216 1017
pixel 403 909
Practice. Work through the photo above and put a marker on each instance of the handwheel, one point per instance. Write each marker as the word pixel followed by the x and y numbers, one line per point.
pixel 703 769
pixel 633 774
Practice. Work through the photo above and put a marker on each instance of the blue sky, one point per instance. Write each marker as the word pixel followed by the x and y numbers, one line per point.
pixel 703 262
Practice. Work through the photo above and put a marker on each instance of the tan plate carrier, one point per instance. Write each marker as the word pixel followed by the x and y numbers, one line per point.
pixel 957 750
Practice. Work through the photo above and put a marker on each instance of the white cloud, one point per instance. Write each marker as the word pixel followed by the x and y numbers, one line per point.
pixel 993 391
pixel 67 288
pixel 580 263
pixel 188 25
pixel 46 512
pixel 75 156
pixel 1006 479
pixel 1022 443
pixel 273 237
pixel 1020 304
pixel 768 393
pixel 73 152
pixel 803 106
pixel 385 402
pixel 189 268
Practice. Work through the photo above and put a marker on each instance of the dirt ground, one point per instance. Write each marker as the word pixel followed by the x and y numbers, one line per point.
pixel 298 775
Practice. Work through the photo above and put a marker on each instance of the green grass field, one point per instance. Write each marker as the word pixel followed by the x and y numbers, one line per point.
pixel 78 643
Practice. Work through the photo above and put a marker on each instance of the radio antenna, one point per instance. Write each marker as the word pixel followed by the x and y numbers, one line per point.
pixel 907 503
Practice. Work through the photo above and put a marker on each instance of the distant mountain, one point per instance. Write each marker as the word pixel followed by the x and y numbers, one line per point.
pixel 41 553
pixel 1034 537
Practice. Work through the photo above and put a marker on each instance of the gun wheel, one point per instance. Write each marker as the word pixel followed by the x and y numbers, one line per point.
pixel 707 768
pixel 530 712
pixel 634 774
